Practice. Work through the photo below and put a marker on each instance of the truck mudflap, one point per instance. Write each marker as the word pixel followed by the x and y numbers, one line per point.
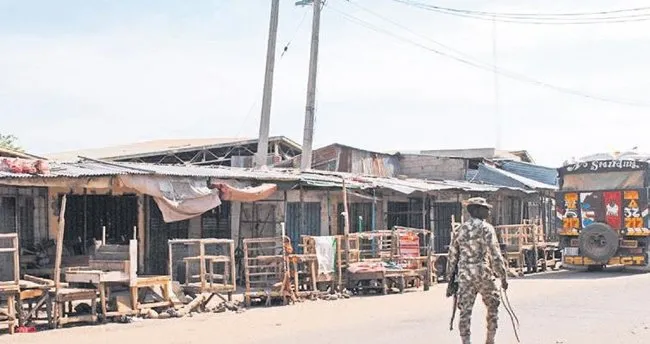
pixel 633 260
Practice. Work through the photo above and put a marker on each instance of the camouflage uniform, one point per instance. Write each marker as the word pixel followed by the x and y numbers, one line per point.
pixel 475 256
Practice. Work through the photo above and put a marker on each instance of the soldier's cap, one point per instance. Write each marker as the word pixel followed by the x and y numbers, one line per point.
pixel 477 201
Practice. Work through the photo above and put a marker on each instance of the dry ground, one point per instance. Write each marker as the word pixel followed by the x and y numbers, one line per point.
pixel 559 307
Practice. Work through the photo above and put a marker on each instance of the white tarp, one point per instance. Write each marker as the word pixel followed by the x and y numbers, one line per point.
pixel 325 253
pixel 179 198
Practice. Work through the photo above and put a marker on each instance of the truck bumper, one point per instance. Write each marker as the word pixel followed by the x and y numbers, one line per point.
pixel 634 260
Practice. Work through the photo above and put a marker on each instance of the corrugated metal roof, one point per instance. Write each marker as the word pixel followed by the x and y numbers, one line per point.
pixel 495 176
pixel 538 173
pixel 75 170
pixel 158 147
pixel 315 178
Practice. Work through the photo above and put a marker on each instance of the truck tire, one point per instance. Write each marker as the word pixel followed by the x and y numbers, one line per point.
pixel 592 268
pixel 598 242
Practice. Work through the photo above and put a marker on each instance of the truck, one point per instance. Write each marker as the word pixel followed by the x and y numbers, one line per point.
pixel 602 212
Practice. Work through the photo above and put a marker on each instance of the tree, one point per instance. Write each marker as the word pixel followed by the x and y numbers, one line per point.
pixel 10 142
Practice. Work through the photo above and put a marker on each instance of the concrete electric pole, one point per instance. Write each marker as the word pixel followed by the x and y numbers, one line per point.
pixel 265 120
pixel 308 135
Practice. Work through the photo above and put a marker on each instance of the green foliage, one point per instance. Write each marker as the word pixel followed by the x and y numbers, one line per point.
pixel 10 142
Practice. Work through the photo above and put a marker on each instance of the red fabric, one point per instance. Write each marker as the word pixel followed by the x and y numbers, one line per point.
pixel 409 247
pixel 366 267
pixel 24 166
pixel 250 194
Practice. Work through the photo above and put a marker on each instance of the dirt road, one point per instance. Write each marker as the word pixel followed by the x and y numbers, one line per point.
pixel 555 308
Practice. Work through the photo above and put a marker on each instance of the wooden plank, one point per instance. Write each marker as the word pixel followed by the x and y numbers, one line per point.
pixel 205 240
pixel 78 318
pixel 59 245
pixel 152 281
pixel 31 294
pixel 38 280
pixel 155 304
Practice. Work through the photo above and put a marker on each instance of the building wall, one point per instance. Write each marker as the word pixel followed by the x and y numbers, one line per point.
pixel 431 167
pixel 24 209
pixel 341 158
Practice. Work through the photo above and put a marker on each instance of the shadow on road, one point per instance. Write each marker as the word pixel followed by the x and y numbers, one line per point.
pixel 610 272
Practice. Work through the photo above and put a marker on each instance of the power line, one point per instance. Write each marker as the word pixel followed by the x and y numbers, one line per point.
pixel 254 103
pixel 527 19
pixel 505 14
pixel 286 46
pixel 468 60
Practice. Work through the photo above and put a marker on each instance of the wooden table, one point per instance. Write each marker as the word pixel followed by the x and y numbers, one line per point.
pixel 104 279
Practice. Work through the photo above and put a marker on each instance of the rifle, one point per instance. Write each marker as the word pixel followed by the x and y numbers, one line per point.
pixel 452 290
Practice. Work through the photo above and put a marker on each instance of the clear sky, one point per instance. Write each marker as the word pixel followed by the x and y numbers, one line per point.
pixel 81 74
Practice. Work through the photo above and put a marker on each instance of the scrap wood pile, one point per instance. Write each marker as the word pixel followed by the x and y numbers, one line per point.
pixel 188 305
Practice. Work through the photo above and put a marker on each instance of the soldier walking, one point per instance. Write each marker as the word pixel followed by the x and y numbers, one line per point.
pixel 474 262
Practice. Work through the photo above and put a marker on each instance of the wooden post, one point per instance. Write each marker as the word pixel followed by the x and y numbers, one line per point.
pixel 57 260
pixel 232 267
pixel 346 224
pixel 170 267
pixel 16 245
pixel 424 211
pixel 59 245
pixel 302 218
pixel 202 267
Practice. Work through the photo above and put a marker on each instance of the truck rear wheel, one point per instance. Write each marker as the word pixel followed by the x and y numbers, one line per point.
pixel 598 242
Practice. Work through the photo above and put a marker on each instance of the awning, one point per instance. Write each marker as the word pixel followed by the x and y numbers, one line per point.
pixel 243 193
pixel 179 198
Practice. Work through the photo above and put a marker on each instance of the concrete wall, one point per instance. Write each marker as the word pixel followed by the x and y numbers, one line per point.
pixel 431 167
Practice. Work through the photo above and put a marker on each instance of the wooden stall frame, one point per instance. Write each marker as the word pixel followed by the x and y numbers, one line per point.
pixel 11 289
pixel 207 285
pixel 278 262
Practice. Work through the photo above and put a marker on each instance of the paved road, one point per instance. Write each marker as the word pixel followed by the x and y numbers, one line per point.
pixel 559 307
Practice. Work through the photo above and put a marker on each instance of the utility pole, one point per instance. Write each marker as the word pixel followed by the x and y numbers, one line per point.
pixel 497 113
pixel 265 120
pixel 308 135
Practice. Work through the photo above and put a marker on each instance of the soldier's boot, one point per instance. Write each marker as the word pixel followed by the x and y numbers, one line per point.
pixel 465 339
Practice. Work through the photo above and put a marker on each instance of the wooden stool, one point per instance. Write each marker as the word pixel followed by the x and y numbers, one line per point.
pixel 65 297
